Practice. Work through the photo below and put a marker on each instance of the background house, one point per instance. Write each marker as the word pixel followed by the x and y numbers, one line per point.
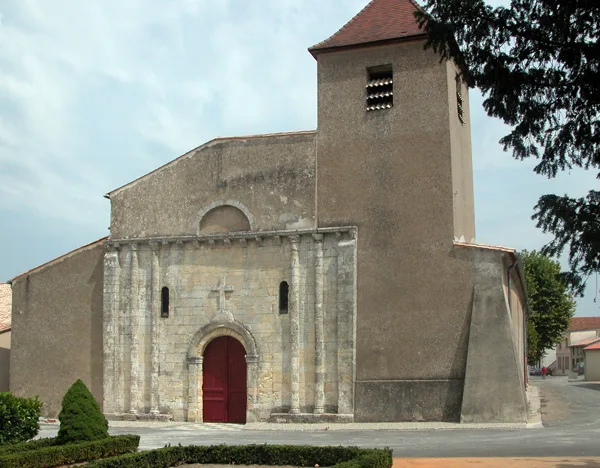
pixel 592 361
pixel 577 353
pixel 5 322
pixel 581 330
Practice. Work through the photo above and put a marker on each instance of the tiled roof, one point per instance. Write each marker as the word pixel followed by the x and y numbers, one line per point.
pixel 584 343
pixel 5 306
pixel 584 323
pixel 592 347
pixel 380 20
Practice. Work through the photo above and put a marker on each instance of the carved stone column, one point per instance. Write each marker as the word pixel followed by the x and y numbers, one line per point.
pixel 194 388
pixel 134 310
pixel 111 329
pixel 154 324
pixel 294 311
pixel 252 376
pixel 346 322
pixel 319 328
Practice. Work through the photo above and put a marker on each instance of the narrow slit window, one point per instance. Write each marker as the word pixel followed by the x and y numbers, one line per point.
pixel 380 88
pixel 459 102
pixel 164 302
pixel 284 290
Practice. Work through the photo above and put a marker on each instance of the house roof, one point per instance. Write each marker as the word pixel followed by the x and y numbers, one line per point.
pixel 5 306
pixel 593 347
pixel 584 323
pixel 380 21
pixel 58 259
pixel 584 343
pixel 498 248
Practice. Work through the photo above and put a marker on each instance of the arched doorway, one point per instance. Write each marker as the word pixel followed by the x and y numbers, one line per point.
pixel 224 381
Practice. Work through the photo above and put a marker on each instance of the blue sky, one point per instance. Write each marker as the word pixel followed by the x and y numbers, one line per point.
pixel 95 94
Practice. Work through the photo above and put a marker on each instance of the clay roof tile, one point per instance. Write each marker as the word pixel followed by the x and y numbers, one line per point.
pixel 380 20
pixel 584 323
pixel 592 347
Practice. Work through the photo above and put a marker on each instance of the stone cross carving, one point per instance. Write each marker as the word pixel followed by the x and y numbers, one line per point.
pixel 221 288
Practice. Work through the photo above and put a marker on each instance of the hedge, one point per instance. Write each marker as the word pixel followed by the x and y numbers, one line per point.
pixel 346 457
pixel 56 455
pixel 18 418
pixel 25 446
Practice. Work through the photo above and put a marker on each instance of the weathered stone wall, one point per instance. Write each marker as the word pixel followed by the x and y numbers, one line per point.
pixel 299 357
pixel 460 150
pixel 390 173
pixel 57 328
pixel 273 176
pixel 494 389
pixel 516 295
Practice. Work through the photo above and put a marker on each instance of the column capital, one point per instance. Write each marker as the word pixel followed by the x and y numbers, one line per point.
pixel 195 360
pixel 112 248
pixel 154 246
pixel 251 358
pixel 318 237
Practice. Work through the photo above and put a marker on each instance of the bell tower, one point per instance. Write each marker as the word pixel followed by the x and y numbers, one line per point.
pixel 394 159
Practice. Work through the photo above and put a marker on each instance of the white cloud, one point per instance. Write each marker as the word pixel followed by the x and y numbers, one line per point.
pixel 95 94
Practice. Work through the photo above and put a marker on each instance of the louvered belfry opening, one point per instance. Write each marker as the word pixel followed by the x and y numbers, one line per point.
pixel 459 101
pixel 380 88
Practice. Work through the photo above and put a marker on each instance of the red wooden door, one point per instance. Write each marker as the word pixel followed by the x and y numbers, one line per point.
pixel 224 381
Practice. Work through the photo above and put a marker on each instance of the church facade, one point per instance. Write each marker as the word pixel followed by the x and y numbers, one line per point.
pixel 327 275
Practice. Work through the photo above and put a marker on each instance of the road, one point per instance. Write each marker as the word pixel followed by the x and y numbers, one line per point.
pixel 570 416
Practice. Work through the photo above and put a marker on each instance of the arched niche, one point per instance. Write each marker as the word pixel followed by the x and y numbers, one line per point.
pixel 225 216
pixel 195 360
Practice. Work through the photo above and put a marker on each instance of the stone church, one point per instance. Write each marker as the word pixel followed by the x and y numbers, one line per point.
pixel 326 275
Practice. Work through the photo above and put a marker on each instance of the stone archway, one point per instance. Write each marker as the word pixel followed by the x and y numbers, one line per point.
pixel 242 221
pixel 195 355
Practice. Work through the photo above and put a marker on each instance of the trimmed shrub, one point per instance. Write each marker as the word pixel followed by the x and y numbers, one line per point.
pixel 19 418
pixel 57 455
pixel 346 457
pixel 24 446
pixel 80 417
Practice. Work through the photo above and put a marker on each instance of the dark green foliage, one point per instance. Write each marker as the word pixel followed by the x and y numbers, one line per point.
pixel 575 223
pixel 537 62
pixel 348 457
pixel 18 418
pixel 57 455
pixel 550 304
pixel 80 417
pixel 25 446
pixel 534 353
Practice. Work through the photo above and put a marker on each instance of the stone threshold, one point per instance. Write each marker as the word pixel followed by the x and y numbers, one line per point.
pixel 227 237
pixel 138 417
pixel 310 418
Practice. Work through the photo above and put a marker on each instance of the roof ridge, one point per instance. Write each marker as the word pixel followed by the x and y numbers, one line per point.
pixel 345 26
pixel 379 21
pixel 499 248
pixel 56 259
pixel 206 144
